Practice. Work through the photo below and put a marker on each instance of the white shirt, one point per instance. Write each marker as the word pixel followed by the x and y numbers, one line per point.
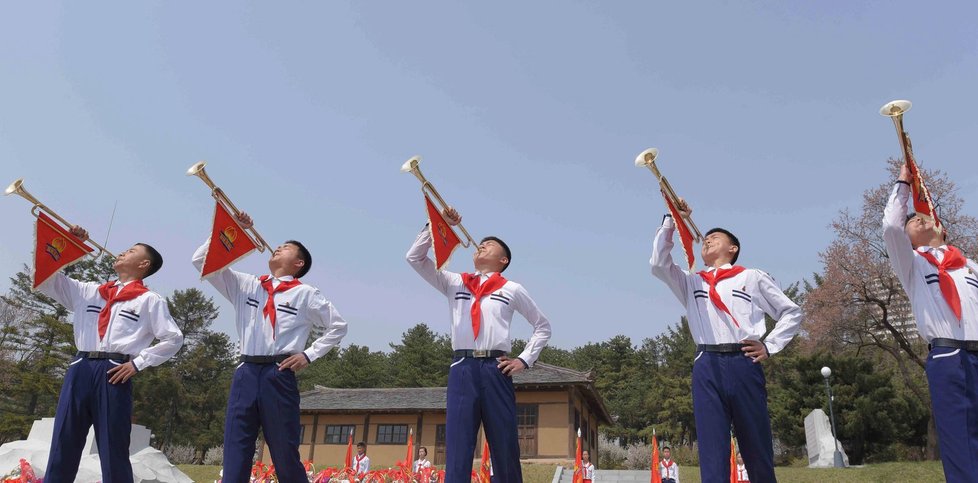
pixel 588 471
pixel 133 324
pixel 419 464
pixel 361 463
pixel 742 473
pixel 919 278
pixel 671 471
pixel 298 310
pixel 748 295
pixel 497 308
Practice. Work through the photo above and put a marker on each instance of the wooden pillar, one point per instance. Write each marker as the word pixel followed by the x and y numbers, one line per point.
pixel 312 444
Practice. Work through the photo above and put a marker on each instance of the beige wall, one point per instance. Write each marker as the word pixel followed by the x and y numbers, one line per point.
pixel 555 436
pixel 552 421
pixel 381 455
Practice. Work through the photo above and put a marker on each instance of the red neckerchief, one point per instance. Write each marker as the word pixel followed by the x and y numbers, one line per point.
pixel 953 259
pixel 713 278
pixel 266 283
pixel 107 291
pixel 495 282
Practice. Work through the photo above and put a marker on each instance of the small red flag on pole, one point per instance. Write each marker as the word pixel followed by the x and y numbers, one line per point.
pixel 410 449
pixel 578 461
pixel 656 475
pixel 733 461
pixel 485 470
pixel 349 451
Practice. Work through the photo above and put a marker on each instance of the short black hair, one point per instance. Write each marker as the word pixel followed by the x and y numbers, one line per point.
pixel 666 448
pixel 361 444
pixel 509 254
pixel 304 256
pixel 733 240
pixel 155 260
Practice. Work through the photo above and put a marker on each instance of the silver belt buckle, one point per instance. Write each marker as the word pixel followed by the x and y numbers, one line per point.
pixel 480 353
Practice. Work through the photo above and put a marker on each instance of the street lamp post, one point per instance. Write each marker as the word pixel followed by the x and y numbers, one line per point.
pixel 838 463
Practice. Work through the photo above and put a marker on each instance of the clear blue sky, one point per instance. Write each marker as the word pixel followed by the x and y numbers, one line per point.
pixel 528 115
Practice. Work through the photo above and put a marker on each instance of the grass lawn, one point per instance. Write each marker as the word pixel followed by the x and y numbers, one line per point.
pixel 925 472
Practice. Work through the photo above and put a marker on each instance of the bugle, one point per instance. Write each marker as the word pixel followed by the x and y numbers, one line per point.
pixel 646 159
pixel 218 194
pixel 895 111
pixel 17 188
pixel 411 166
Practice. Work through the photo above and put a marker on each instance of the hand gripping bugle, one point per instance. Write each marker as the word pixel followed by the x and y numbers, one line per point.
pixel 17 188
pixel 218 194
pixel 646 159
pixel 411 166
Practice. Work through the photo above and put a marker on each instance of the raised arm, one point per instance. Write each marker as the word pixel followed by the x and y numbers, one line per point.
pixel 663 267
pixel 898 246
pixel 418 258
pixel 66 291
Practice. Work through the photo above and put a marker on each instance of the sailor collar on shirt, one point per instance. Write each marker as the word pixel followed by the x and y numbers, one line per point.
pixel 284 278
pixel 928 248
pixel 724 266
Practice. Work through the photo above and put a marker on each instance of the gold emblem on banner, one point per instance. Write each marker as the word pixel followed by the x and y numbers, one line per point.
pixel 228 235
pixel 56 248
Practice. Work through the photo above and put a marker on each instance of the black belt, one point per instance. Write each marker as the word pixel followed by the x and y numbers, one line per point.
pixel 724 348
pixel 264 359
pixel 479 354
pixel 116 356
pixel 968 345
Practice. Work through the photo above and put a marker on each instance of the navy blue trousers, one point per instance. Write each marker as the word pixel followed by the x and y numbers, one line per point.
pixel 88 399
pixel 262 396
pixel 479 393
pixel 952 375
pixel 730 388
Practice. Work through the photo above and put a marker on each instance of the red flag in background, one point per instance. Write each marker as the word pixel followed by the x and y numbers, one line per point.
pixel 443 238
pixel 485 472
pixel 922 202
pixel 733 461
pixel 348 461
pixel 410 450
pixel 685 235
pixel 578 461
pixel 656 475
pixel 54 248
pixel 229 243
